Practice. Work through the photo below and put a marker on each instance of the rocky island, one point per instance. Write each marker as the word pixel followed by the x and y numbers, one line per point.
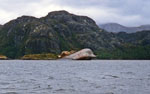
pixel 63 31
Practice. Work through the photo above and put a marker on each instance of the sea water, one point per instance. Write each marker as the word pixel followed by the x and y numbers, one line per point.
pixel 74 77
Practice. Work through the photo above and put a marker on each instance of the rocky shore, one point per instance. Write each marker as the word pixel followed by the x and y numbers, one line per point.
pixel 84 54
pixel 2 57
pixel 48 56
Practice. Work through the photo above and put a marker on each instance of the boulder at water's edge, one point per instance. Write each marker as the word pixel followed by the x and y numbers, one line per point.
pixel 84 54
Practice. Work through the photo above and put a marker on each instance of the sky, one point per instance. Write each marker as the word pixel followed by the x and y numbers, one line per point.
pixel 125 12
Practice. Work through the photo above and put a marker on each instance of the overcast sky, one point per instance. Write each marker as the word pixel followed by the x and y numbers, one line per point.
pixel 125 12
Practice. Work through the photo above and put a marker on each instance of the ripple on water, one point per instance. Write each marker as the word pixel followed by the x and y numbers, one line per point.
pixel 4 83
pixel 10 93
pixel 74 77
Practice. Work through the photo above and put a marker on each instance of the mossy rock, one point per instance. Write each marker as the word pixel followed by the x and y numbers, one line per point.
pixel 48 56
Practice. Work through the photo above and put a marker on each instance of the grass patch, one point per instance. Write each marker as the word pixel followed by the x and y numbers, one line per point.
pixel 47 56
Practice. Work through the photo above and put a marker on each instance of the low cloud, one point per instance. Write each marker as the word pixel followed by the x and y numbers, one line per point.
pixel 126 12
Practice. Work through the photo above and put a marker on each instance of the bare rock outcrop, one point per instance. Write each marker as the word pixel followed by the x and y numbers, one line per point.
pixel 84 54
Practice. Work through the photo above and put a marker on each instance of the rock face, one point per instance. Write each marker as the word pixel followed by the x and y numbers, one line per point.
pixel 84 54
pixel 114 27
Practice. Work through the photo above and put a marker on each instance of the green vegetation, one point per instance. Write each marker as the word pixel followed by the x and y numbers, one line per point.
pixel 48 56
pixel 134 52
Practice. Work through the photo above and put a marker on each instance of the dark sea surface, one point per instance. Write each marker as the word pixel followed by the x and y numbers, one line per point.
pixel 74 77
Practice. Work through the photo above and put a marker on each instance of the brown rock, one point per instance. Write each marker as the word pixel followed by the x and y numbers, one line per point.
pixel 66 53
pixel 2 57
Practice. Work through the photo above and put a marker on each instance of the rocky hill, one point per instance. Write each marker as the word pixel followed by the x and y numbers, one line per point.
pixel 56 32
pixel 60 31
pixel 114 27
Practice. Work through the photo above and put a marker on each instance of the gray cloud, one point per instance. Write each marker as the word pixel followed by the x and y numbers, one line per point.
pixel 126 12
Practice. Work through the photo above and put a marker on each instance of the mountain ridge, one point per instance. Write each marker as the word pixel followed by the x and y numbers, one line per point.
pixel 115 27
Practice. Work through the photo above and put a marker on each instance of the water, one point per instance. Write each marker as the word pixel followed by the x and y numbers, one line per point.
pixel 74 77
